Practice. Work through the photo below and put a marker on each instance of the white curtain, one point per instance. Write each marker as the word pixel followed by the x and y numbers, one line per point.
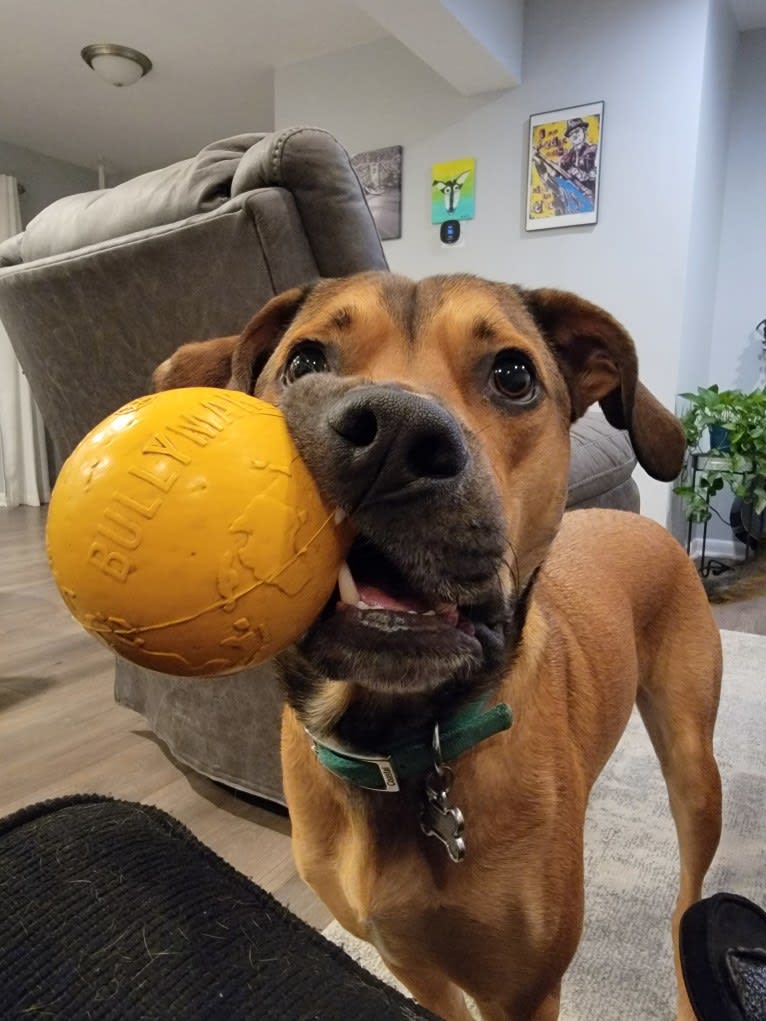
pixel 23 459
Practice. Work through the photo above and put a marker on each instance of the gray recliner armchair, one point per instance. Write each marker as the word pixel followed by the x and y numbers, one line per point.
pixel 102 287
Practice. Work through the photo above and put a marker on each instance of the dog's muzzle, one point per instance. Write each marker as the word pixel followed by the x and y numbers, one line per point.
pixel 420 598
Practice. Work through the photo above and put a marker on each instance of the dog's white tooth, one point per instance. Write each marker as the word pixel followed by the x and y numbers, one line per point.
pixel 349 593
pixel 361 605
pixel 429 613
pixel 340 515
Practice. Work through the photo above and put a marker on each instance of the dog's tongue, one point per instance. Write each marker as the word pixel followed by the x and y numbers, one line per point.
pixel 374 596
pixel 353 593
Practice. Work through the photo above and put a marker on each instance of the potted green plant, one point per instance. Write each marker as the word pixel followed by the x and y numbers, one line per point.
pixel 736 424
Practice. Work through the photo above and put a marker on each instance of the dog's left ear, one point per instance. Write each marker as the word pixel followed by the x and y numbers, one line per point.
pixel 598 361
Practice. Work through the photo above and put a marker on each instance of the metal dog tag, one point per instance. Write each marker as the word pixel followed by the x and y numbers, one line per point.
pixel 437 817
pixel 445 822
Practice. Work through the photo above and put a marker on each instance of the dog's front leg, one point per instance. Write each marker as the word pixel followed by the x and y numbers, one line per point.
pixel 433 990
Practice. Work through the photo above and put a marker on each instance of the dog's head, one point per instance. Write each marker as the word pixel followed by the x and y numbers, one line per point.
pixel 436 416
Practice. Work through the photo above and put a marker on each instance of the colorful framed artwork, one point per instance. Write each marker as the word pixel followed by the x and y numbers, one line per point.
pixel 564 166
pixel 453 190
pixel 380 174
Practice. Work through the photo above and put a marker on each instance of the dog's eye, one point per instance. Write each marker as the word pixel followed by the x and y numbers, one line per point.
pixel 514 375
pixel 305 359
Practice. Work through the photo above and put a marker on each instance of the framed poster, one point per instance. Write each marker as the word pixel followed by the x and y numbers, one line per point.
pixel 453 190
pixel 564 162
pixel 380 174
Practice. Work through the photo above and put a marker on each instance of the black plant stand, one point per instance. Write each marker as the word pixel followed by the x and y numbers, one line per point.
pixel 701 463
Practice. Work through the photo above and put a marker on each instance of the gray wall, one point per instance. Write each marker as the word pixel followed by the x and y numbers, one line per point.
pixel 44 179
pixel 712 133
pixel 735 351
pixel 645 60
pixel 741 292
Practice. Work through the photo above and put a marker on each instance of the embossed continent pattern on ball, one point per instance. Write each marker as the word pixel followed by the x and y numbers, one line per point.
pixel 186 533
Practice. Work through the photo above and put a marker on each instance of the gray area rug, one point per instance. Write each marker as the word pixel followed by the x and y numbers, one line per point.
pixel 624 966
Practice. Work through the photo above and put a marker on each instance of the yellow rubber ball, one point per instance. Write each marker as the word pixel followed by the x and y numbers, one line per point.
pixel 186 533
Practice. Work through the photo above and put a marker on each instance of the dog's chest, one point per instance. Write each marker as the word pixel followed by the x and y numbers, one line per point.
pixel 401 897
pixel 456 917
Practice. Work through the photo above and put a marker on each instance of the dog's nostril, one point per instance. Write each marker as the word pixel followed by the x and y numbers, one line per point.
pixel 390 441
pixel 432 455
pixel 358 425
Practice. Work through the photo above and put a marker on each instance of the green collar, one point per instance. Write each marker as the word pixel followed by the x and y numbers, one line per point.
pixel 385 772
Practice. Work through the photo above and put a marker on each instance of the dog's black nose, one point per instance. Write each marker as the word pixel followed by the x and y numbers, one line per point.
pixel 395 442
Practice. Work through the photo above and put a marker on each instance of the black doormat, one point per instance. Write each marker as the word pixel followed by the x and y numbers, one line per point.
pixel 114 910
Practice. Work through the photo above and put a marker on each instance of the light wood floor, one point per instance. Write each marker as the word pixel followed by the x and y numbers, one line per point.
pixel 743 615
pixel 62 733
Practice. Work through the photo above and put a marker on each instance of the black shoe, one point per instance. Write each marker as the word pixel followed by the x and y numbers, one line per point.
pixel 723 957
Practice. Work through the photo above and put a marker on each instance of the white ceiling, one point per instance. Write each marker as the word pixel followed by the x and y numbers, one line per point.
pixel 212 75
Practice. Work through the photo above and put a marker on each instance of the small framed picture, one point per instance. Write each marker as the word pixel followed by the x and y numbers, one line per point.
pixel 453 190
pixel 380 174
pixel 564 165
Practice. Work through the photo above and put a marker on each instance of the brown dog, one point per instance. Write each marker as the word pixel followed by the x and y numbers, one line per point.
pixel 436 416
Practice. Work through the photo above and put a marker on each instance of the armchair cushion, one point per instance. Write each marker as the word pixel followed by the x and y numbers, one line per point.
pixel 196 185
pixel 601 466
pixel 10 250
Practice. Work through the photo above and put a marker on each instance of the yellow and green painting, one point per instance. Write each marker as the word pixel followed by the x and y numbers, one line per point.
pixel 453 190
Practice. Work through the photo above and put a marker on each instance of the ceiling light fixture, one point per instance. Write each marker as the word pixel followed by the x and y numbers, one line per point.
pixel 118 65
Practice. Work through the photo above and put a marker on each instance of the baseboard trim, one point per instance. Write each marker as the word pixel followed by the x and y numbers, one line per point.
pixel 724 549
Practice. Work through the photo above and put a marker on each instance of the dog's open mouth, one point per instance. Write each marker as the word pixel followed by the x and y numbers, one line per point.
pixel 381 628
pixel 372 585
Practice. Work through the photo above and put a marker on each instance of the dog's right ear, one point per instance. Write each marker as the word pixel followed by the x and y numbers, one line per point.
pixel 232 362
pixel 261 336
pixel 199 363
